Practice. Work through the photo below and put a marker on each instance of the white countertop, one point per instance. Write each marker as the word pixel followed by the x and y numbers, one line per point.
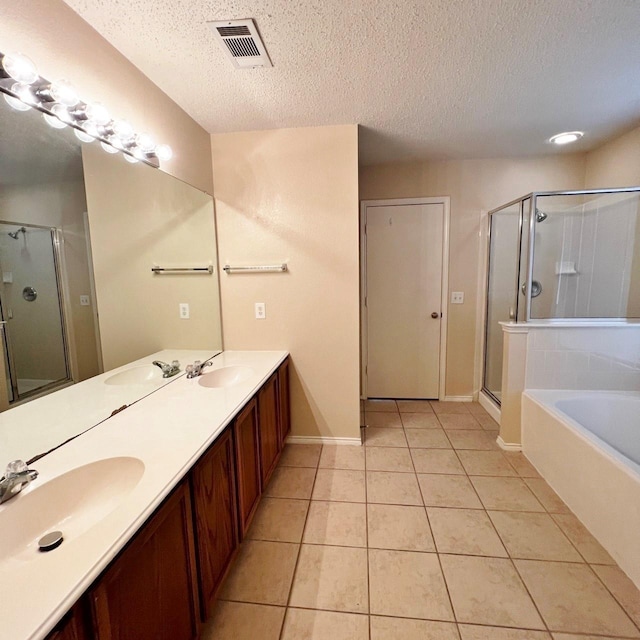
pixel 168 431
pixel 24 433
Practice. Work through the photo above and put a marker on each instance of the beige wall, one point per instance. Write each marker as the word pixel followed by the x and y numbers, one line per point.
pixel 474 186
pixel 615 164
pixel 291 195
pixel 61 44
pixel 140 217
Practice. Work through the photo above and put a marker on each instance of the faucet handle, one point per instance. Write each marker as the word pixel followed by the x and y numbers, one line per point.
pixel 14 468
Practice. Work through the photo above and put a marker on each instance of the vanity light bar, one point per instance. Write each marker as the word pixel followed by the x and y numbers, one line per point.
pixel 60 105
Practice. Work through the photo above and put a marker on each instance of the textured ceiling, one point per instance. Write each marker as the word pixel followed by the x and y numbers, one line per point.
pixel 424 78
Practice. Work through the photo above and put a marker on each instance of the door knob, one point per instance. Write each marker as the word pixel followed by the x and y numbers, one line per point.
pixel 435 315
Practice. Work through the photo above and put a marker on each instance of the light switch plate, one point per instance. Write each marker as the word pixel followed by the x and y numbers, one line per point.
pixel 184 310
pixel 457 297
pixel 84 301
pixel 261 311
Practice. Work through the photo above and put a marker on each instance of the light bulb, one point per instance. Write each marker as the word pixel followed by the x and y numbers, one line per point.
pixel 16 103
pixel 108 148
pixel 54 122
pixel 62 91
pixel 19 67
pixel 24 92
pixel 62 113
pixel 83 136
pixel 123 130
pixel 567 137
pixel 164 152
pixel 97 113
pixel 146 142
pixel 129 158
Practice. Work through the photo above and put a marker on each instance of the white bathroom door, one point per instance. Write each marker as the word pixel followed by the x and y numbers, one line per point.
pixel 404 249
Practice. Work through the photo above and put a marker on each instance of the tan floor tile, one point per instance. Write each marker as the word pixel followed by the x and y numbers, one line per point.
pixel 476 409
pixel 436 461
pixel 505 494
pixel 625 592
pixel 291 482
pixel 427 439
pixel 239 620
pixel 279 520
pixel 380 405
pixel 414 406
pixel 450 407
pixel 488 591
pixel 474 632
pixel 342 524
pixel 262 573
pixel 399 527
pixel 384 419
pixel 486 463
pixel 333 578
pixel 477 440
pixel 384 487
pixel 520 463
pixel 342 457
pixel 534 536
pixel 303 624
pixel 465 531
pixel 487 423
pixel 406 629
pixel 571 636
pixel 587 545
pixel 389 459
pixel 448 491
pixel 381 437
pixel 458 421
pixel 571 598
pixel 547 496
pixel 300 455
pixel 408 585
pixel 420 421
pixel 339 485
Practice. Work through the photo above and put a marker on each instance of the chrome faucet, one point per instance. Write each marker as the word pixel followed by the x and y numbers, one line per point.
pixel 195 369
pixel 168 370
pixel 15 479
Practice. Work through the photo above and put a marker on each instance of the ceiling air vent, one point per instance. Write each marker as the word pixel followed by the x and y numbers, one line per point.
pixel 241 41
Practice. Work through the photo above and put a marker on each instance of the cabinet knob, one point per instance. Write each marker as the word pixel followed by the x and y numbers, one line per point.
pixel 435 315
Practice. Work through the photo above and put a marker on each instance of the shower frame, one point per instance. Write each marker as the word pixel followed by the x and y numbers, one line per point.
pixel 525 317
pixel 64 307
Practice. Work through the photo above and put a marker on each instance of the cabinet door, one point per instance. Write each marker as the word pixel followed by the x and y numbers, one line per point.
pixel 269 432
pixel 284 411
pixel 214 502
pixel 247 463
pixel 150 591
pixel 71 627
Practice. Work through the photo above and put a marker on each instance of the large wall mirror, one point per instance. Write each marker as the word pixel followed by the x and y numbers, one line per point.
pixel 80 231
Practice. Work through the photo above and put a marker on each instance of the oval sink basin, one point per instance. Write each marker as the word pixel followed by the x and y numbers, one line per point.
pixel 142 374
pixel 72 503
pixel 225 376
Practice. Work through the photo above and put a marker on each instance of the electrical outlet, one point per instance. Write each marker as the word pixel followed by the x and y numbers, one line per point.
pixel 184 310
pixel 84 301
pixel 261 311
pixel 457 297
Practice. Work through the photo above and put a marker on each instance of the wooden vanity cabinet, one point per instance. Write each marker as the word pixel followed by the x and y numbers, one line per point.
pixel 150 590
pixel 213 490
pixel 269 427
pixel 71 627
pixel 247 449
pixel 284 410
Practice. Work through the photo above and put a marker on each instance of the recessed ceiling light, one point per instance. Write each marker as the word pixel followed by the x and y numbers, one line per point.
pixel 567 137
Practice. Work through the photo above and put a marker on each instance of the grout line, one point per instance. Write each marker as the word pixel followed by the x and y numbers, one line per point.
pixel 366 524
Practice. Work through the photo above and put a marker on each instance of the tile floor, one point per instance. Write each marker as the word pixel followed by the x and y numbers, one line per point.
pixel 428 532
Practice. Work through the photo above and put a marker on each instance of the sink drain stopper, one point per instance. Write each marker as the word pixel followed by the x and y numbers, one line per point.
pixel 50 541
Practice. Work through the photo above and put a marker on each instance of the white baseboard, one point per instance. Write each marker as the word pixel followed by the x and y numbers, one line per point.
pixel 508 446
pixel 323 440
pixel 458 398
pixel 488 405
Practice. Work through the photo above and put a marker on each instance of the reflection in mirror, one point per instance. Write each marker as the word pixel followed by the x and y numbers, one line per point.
pixel 77 294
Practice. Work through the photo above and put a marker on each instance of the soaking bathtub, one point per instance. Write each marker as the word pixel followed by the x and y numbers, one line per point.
pixel 586 444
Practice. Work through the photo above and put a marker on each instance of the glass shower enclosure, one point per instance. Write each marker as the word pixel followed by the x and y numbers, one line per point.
pixel 558 256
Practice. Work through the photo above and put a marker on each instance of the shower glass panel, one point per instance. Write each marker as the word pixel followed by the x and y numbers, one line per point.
pixel 30 300
pixel 587 256
pixel 502 300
